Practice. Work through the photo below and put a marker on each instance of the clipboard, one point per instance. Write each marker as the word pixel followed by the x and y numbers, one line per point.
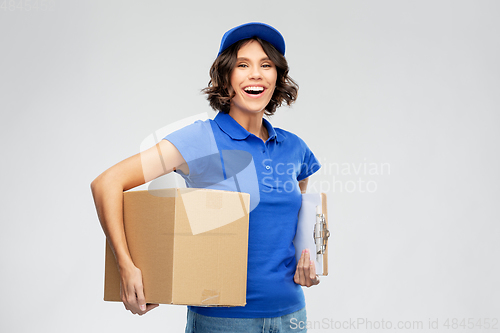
pixel 312 230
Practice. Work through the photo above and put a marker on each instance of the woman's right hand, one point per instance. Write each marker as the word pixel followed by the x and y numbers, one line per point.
pixel 132 291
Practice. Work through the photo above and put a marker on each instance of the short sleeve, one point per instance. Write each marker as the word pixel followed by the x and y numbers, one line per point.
pixel 196 143
pixel 310 163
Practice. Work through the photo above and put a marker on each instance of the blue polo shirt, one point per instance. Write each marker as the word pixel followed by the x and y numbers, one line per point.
pixel 221 154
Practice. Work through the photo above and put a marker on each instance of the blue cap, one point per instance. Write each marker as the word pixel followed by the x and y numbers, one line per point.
pixel 253 29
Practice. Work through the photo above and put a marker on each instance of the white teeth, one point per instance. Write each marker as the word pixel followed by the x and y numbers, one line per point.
pixel 254 89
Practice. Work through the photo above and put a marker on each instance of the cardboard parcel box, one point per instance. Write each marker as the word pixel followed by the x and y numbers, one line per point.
pixel 190 244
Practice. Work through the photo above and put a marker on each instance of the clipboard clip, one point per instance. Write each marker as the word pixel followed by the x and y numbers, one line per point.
pixel 320 234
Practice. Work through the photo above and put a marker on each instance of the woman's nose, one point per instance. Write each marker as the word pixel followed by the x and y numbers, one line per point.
pixel 255 72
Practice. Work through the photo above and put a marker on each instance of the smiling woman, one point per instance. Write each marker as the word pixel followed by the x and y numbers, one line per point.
pixel 248 79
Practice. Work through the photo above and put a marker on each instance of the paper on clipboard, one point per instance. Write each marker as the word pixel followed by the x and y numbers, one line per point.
pixel 304 237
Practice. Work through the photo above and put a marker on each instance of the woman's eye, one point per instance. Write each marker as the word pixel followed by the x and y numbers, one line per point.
pixel 266 65
pixel 242 65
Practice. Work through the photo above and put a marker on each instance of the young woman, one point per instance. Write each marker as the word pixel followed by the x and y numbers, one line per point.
pixel 249 78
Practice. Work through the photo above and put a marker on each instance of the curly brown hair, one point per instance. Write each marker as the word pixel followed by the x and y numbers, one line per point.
pixel 220 78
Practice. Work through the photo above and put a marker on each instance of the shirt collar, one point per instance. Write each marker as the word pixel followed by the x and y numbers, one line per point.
pixel 232 128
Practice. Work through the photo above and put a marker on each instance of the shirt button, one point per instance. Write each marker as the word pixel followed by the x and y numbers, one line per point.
pixel 264 151
pixel 268 167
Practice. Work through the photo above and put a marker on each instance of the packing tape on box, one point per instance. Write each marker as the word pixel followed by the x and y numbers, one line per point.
pixel 210 297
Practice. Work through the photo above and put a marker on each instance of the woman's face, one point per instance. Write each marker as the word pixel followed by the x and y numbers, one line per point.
pixel 253 79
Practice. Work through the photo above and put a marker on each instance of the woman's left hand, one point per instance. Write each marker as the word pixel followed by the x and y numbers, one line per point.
pixel 305 274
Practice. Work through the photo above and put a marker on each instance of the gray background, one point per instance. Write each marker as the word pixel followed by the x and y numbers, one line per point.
pixel 412 84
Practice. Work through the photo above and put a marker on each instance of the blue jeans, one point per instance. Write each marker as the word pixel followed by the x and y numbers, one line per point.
pixel 291 323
